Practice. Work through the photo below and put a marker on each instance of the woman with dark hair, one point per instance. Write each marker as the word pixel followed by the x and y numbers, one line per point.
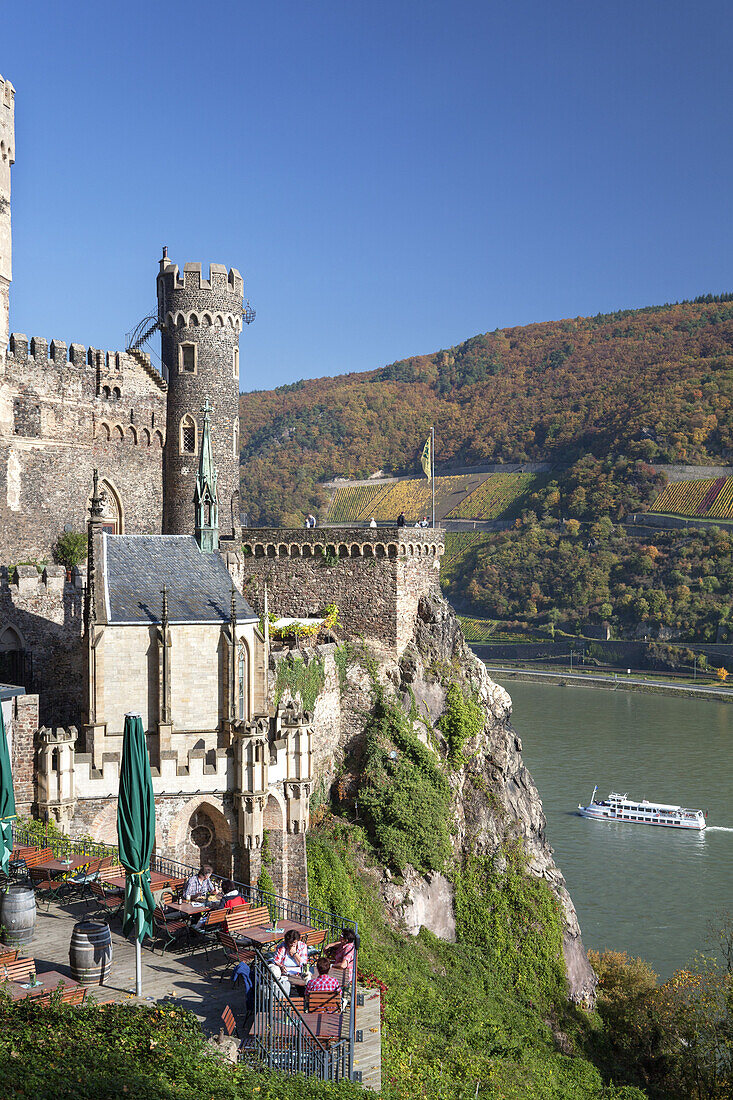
pixel 342 953
pixel 230 896
pixel 292 953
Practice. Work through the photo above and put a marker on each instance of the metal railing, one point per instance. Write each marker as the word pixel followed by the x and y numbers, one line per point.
pixel 331 1059
pixel 281 1039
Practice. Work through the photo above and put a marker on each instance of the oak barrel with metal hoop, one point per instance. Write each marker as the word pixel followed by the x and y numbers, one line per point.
pixel 17 916
pixel 90 952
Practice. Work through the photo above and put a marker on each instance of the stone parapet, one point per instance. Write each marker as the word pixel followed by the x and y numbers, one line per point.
pixel 197 777
pixel 375 576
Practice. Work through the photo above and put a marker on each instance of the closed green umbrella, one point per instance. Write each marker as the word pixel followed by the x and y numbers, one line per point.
pixel 7 800
pixel 136 836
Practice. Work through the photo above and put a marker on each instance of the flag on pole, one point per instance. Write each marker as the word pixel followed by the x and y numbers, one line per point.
pixel 426 461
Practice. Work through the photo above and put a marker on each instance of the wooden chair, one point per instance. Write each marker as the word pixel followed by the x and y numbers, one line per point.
pixel 323 1000
pixel 314 941
pixel 169 931
pixel 230 1024
pixel 79 883
pixel 233 953
pixel 108 905
pixel 46 887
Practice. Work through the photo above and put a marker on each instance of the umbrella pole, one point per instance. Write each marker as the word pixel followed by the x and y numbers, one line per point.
pixel 138 969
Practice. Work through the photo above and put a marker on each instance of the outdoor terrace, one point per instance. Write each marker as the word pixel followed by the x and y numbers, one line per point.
pixel 190 976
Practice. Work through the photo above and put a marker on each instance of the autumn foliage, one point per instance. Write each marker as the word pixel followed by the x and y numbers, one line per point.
pixel 653 384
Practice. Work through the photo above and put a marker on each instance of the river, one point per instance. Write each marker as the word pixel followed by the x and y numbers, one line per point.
pixel 649 891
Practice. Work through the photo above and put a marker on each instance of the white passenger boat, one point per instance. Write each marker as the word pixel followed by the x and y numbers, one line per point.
pixel 619 807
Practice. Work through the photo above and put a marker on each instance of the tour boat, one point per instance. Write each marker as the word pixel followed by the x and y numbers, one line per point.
pixel 619 807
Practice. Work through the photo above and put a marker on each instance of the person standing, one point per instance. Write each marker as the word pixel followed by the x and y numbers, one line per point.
pixel 401 519
pixel 372 522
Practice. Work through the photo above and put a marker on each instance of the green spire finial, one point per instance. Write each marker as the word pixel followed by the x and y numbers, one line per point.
pixel 207 507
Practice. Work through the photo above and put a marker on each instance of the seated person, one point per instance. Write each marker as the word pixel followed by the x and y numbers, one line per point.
pixel 292 953
pixel 342 954
pixel 322 980
pixel 230 895
pixel 199 885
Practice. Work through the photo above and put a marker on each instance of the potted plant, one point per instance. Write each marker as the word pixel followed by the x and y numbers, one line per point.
pixel 70 550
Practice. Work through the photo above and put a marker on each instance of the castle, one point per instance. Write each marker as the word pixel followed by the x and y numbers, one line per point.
pixel 164 620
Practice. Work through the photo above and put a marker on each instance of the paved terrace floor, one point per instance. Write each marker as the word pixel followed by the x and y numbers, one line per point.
pixel 186 978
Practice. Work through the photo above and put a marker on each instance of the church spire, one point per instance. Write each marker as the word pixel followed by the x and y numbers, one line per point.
pixel 207 507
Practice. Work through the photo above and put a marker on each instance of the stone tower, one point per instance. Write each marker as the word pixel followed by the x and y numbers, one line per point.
pixel 200 321
pixel 7 157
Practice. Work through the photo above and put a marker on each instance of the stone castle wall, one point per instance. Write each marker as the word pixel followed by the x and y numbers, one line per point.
pixel 44 612
pixel 375 577
pixel 63 412
pixel 24 723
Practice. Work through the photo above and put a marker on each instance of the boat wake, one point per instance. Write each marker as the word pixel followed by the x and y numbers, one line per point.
pixel 719 829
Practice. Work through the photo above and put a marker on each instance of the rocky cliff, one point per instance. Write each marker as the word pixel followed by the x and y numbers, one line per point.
pixel 494 796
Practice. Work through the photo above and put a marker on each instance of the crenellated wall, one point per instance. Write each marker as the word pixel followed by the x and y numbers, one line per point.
pixel 375 577
pixel 63 412
pixel 41 614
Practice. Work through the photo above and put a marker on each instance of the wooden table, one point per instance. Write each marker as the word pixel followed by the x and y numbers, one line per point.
pixel 158 881
pixel 189 908
pixel 60 866
pixel 258 933
pixel 48 983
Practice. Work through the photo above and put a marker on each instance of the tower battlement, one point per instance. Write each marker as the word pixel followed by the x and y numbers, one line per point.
pixel 219 278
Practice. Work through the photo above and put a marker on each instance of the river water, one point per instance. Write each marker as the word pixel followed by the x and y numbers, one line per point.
pixel 649 891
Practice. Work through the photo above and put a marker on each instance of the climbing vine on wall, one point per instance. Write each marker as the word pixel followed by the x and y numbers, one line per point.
pixel 305 679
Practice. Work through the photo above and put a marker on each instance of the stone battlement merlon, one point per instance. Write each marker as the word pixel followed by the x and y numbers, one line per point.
pixel 7 92
pixel 390 542
pixel 221 280
pixel 38 351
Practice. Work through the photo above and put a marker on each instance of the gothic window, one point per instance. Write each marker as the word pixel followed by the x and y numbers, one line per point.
pixel 241 683
pixel 116 393
pixel 187 358
pixel 111 508
pixel 235 364
pixel 188 435
pixel 106 392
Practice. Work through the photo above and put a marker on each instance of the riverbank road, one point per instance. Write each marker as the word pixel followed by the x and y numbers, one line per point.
pixel 613 683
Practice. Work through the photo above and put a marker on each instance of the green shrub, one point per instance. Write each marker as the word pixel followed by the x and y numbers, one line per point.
pixel 403 794
pixel 71 548
pixel 461 720
pixel 513 917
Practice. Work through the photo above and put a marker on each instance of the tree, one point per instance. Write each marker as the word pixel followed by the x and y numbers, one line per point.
pixel 722 674
pixel 71 548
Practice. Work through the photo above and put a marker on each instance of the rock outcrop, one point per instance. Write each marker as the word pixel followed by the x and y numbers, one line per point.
pixel 494 795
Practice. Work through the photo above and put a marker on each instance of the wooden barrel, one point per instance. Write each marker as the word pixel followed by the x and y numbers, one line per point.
pixel 17 916
pixel 90 952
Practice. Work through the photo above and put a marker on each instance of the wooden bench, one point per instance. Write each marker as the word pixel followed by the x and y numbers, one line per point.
pixel 40 855
pixel 66 997
pixel 323 1000
pixel 8 957
pixel 17 970
pixel 239 918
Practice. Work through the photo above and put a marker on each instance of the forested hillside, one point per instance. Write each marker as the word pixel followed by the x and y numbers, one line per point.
pixel 653 384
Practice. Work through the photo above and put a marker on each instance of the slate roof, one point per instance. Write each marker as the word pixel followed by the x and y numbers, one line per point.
pixel 136 567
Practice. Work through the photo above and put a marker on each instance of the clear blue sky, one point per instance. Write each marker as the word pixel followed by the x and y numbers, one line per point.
pixel 390 177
